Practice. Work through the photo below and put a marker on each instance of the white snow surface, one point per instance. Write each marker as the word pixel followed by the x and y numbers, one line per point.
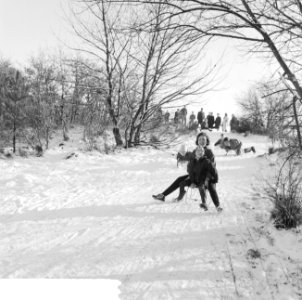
pixel 93 217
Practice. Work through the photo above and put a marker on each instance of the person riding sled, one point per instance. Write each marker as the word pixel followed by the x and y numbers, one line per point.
pixel 200 171
pixel 203 140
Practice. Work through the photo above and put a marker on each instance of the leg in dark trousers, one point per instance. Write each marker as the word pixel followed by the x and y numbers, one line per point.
pixel 203 195
pixel 213 193
pixel 202 192
pixel 175 185
pixel 182 185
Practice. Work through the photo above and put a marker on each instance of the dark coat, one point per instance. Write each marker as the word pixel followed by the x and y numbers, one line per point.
pixel 217 122
pixel 211 121
pixel 234 123
pixel 200 116
pixel 199 170
pixel 208 153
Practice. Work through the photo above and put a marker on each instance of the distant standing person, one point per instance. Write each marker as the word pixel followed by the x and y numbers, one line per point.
pixel 176 117
pixel 167 117
pixel 192 119
pixel 217 122
pixel 234 123
pixel 201 119
pixel 225 122
pixel 183 115
pixel 211 120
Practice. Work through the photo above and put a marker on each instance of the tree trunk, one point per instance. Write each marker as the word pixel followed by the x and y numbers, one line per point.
pixel 116 130
pixel 64 122
pixel 130 141
pixel 117 136
pixel 297 122
pixel 47 137
pixel 137 136
pixel 65 130
pixel 14 136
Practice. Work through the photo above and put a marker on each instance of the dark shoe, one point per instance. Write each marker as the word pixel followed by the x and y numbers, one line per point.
pixel 203 206
pixel 160 197
pixel 219 209
pixel 180 196
pixel 253 149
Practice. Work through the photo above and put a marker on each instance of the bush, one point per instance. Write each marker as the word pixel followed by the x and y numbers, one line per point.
pixel 286 196
pixel 154 139
pixel 247 125
pixel 244 125
pixel 102 142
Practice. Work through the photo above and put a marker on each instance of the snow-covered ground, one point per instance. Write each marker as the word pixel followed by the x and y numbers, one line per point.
pixel 92 216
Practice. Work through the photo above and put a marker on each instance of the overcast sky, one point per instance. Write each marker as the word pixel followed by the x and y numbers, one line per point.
pixel 28 26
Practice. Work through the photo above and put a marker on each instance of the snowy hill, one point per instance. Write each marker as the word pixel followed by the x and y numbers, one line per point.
pixel 92 216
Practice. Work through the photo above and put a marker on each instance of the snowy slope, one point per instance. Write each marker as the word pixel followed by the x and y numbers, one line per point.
pixel 92 216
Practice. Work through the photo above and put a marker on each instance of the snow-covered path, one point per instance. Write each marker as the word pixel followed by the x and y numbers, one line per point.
pixel 93 216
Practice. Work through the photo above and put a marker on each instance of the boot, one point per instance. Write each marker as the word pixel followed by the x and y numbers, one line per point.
pixel 160 197
pixel 203 206
pixel 219 209
pixel 180 196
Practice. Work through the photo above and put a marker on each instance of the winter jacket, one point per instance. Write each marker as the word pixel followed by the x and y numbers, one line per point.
pixel 183 111
pixel 211 120
pixel 217 122
pixel 208 153
pixel 200 116
pixel 200 170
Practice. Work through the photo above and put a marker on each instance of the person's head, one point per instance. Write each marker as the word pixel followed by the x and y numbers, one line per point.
pixel 199 152
pixel 201 109
pixel 202 139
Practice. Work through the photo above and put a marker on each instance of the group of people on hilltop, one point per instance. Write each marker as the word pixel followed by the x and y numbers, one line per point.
pixel 180 116
pixel 210 122
pixel 203 121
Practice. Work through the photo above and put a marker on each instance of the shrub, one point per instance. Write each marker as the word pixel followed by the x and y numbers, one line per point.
pixel 103 143
pixel 244 125
pixel 23 152
pixel 154 139
pixel 253 253
pixel 286 195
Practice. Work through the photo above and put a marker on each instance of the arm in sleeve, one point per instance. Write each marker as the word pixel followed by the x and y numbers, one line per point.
pixel 213 172
pixel 210 155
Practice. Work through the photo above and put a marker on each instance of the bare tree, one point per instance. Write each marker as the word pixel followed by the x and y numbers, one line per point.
pixel 145 65
pixel 267 110
pixel 15 94
pixel 5 68
pixel 93 22
pixel 64 83
pixel 163 59
pixel 41 103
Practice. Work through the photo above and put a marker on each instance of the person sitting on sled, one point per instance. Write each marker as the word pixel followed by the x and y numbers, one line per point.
pixel 202 140
pixel 200 171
